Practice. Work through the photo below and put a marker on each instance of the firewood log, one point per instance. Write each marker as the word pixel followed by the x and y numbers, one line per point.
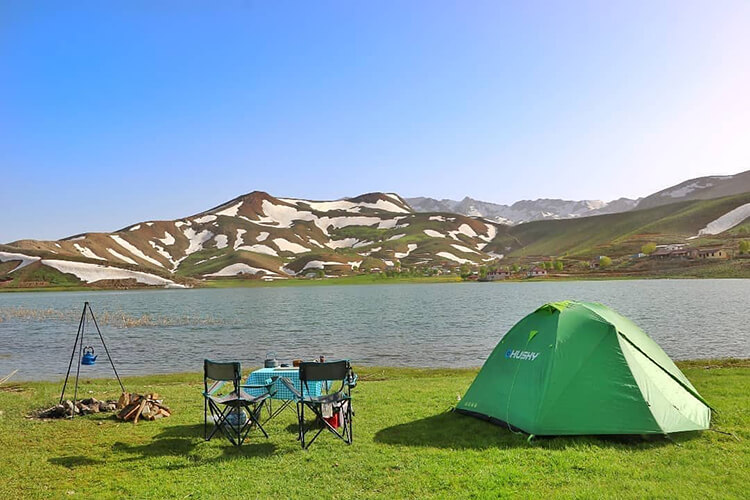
pixel 140 410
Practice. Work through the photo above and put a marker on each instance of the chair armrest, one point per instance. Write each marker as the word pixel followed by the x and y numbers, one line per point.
pixel 270 388
pixel 214 388
pixel 290 385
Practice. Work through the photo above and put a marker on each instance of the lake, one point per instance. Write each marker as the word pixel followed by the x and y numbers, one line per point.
pixel 425 325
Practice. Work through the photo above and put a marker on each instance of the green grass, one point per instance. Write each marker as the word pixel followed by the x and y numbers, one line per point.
pixel 407 445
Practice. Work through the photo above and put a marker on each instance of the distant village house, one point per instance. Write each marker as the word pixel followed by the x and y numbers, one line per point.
pixel 680 251
pixel 712 253
pixel 497 274
pixel 536 271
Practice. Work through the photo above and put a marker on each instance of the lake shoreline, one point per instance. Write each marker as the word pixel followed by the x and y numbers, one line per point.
pixel 704 363
pixel 363 280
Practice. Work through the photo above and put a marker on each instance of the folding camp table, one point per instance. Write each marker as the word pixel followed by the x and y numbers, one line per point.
pixel 259 377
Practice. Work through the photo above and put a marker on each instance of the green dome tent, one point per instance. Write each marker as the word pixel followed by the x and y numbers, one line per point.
pixel 581 368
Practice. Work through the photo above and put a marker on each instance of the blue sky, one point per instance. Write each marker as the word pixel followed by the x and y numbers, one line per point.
pixel 157 110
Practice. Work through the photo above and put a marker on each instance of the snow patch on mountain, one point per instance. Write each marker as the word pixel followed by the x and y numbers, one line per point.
pixel 450 256
pixel 238 242
pixel 168 238
pixel 25 259
pixel 239 268
pixel 727 221
pixel 222 241
pixel 467 230
pixel 230 211
pixel 683 191
pixel 161 251
pixel 196 239
pixel 122 257
pixel 320 264
pixel 134 250
pixel 287 246
pixel 391 223
pixel 87 252
pixel 349 206
pixel 464 249
pixel 205 219
pixel 409 249
pixel 345 243
pixel 90 273
pixel 264 249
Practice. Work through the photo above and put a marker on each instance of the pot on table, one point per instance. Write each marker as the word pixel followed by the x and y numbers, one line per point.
pixel 271 361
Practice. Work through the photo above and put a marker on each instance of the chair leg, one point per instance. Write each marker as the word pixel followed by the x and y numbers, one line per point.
pixel 301 417
pixel 349 419
pixel 219 418
pixel 239 420
pixel 344 435
pixel 254 420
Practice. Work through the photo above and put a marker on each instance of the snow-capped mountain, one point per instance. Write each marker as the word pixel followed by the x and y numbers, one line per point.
pixel 264 236
pixel 524 210
pixel 701 188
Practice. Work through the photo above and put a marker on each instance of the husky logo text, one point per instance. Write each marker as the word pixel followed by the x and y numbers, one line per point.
pixel 521 355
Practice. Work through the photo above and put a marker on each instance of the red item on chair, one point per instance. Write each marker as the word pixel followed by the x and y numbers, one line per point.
pixel 333 420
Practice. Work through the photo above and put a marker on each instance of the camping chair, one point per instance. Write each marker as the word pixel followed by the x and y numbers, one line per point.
pixel 339 403
pixel 233 414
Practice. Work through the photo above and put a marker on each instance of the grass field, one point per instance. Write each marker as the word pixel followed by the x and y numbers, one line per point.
pixel 406 445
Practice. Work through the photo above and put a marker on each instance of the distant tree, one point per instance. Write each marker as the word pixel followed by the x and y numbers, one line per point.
pixel 604 261
pixel 515 268
pixel 483 272
pixel 558 265
pixel 648 248
pixel 465 271
pixel 319 273
pixel 744 247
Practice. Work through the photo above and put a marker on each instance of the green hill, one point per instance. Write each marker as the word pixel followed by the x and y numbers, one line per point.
pixel 616 234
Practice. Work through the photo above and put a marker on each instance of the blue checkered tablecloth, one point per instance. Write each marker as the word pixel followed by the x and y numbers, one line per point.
pixel 259 377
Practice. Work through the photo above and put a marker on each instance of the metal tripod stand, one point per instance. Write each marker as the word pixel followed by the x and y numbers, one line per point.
pixel 78 346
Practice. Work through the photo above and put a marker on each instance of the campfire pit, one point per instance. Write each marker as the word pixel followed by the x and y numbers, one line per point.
pixel 83 407
pixel 132 407
pixel 147 406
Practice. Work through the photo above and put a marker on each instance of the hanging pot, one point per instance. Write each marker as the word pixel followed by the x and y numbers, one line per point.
pixel 88 356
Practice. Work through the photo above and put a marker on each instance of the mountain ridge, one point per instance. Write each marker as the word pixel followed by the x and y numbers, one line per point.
pixel 523 211
pixel 262 236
